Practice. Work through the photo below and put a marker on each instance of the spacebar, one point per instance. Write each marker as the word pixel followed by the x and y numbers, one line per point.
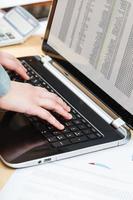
pixel 78 146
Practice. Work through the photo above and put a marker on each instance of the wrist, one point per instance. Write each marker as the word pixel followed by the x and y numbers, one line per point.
pixel 1 57
pixel 5 82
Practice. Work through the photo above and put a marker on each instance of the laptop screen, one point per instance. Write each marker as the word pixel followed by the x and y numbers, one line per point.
pixel 96 37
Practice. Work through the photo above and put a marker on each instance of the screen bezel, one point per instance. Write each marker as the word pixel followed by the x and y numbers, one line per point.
pixel 91 86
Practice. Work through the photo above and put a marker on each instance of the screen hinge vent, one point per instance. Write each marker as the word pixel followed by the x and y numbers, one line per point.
pixel 117 123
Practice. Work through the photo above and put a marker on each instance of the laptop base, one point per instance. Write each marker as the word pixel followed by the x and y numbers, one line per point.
pixel 22 145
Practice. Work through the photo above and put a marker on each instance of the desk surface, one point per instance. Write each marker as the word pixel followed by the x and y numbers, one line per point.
pixel 31 47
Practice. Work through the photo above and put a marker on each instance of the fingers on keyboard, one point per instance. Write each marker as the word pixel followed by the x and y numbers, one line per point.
pixel 47 116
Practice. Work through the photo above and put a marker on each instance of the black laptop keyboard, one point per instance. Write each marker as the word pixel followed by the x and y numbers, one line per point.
pixel 76 130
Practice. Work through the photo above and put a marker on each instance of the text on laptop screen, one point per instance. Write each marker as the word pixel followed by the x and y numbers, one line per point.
pixel 96 36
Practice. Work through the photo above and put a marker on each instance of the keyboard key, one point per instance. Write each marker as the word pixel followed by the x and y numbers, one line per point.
pixel 73 111
pixel 73 128
pixel 88 125
pixel 83 120
pixel 82 126
pixel 92 136
pixel 56 133
pixel 35 75
pixel 46 134
pixel 69 135
pixel 61 143
pixel 61 137
pixel 47 86
pixel 77 122
pixel 93 130
pixel 99 135
pixel 66 130
pixel 51 128
pixel 51 90
pixel 78 133
pixel 79 116
pixel 73 116
pixel 79 139
pixel 52 139
pixel 69 123
pixel 43 84
pixel 57 144
pixel 87 131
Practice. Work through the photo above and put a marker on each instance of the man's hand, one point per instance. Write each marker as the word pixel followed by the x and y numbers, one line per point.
pixel 36 101
pixel 10 62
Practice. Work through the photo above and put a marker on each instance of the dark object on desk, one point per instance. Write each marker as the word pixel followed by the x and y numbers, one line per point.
pixel 38 12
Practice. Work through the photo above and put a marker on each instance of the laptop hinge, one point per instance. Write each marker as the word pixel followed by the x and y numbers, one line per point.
pixel 117 123
pixel 46 59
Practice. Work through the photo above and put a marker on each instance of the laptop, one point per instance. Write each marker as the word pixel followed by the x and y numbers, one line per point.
pixel 90 72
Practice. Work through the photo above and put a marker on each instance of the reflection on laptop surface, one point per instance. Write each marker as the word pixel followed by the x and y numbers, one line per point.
pixel 82 42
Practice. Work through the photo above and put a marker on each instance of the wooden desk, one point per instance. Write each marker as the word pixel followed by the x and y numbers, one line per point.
pixel 31 47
